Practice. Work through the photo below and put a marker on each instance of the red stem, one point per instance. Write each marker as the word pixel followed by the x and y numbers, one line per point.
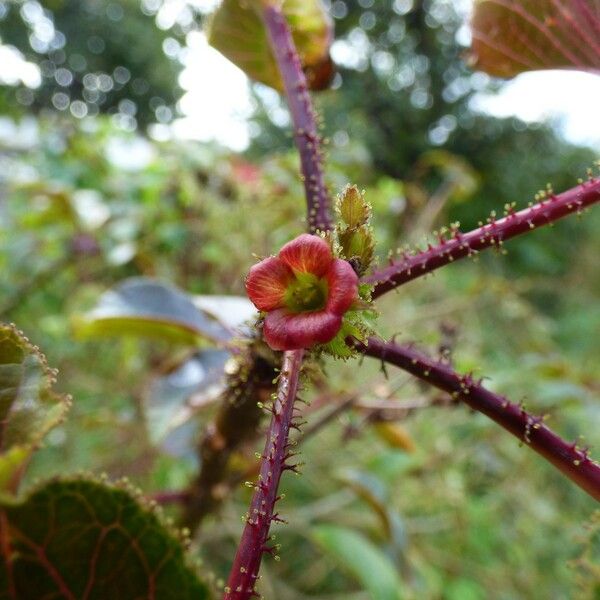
pixel 494 233
pixel 303 117
pixel 255 538
pixel 572 461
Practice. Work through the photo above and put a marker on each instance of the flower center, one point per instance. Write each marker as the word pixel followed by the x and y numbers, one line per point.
pixel 306 293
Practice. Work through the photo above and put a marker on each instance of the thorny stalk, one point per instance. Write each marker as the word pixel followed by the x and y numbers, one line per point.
pixel 274 460
pixel 303 117
pixel 493 234
pixel 244 571
pixel 572 461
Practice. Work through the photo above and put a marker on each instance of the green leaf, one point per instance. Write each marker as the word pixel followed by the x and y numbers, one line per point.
pixel 29 408
pixel 375 493
pixel 514 36
pixel 237 32
pixel 357 244
pixel 354 234
pixel 337 347
pixel 352 207
pixel 359 557
pixel 79 538
pixel 147 307
pixel 359 324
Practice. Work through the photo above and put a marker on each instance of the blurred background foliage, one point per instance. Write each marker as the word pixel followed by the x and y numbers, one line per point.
pixel 437 497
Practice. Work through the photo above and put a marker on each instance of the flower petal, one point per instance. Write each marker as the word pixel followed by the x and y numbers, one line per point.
pixel 307 254
pixel 291 331
pixel 266 283
pixel 343 286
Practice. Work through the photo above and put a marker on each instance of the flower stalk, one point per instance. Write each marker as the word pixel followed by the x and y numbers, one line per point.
pixel 572 461
pixel 306 133
pixel 255 537
pixel 274 460
pixel 493 234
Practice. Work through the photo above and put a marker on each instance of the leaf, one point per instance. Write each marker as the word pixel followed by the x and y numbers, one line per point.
pixel 358 324
pixel 29 408
pixel 395 435
pixel 352 207
pixel 374 492
pixel 514 36
pixel 357 555
pixel 79 538
pixel 230 311
pixel 147 307
pixel 237 32
pixel 357 245
pixel 175 397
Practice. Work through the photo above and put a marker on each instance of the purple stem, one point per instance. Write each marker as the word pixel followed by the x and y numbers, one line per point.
pixel 494 233
pixel 303 117
pixel 572 461
pixel 255 538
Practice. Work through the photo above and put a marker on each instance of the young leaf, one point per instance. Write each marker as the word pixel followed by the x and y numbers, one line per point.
pixel 29 408
pixel 357 555
pixel 395 435
pixel 513 36
pixel 83 539
pixel 237 32
pixel 146 307
pixel 352 207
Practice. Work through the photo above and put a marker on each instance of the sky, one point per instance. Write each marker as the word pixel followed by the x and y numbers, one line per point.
pixel 218 111
pixel 570 99
pixel 217 100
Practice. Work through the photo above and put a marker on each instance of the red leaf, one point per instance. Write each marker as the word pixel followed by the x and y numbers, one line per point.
pixel 513 36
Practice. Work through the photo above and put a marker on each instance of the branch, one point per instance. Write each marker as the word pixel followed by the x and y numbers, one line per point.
pixel 327 418
pixel 303 117
pixel 494 233
pixel 166 497
pixel 255 537
pixel 573 462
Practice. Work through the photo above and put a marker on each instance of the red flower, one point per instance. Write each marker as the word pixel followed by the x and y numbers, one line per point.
pixel 305 292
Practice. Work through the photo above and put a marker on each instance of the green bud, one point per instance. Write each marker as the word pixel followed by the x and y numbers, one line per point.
pixel 352 207
pixel 357 245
